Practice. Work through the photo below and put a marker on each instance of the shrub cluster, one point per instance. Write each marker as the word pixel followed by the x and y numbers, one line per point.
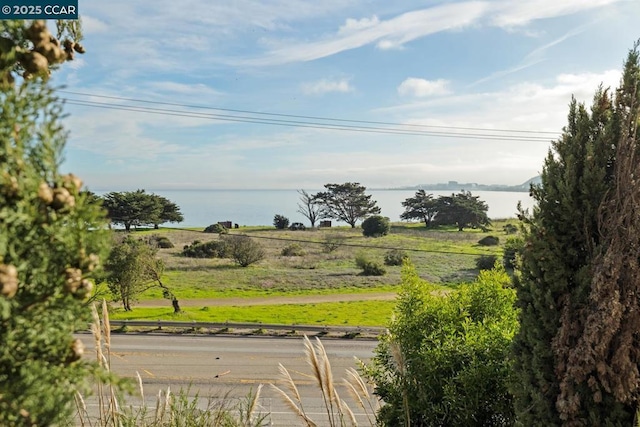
pixel 216 228
pixel 395 257
pixel 369 268
pixel 280 222
pixel 486 262
pixel 212 249
pixel 489 241
pixel 161 242
pixel 244 250
pixel 293 249
pixel 376 226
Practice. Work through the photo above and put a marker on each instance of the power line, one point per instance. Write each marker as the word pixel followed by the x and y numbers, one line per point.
pixel 302 124
pixel 414 125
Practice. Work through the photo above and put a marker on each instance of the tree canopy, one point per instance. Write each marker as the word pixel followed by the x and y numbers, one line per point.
pixel 422 207
pixel 444 361
pixel 132 268
pixel 577 353
pixel 51 235
pixel 346 202
pixel 463 210
pixel 139 208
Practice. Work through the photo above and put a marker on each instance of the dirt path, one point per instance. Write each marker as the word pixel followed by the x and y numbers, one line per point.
pixel 299 299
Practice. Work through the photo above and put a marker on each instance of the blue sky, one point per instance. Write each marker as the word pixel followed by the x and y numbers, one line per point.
pixel 419 68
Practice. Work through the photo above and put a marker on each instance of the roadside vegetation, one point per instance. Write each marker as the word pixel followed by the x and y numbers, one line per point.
pixel 354 265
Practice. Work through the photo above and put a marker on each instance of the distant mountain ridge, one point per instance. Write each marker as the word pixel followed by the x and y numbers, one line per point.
pixel 470 186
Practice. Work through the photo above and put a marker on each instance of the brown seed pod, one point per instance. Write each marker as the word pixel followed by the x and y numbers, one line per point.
pixel 73 279
pixel 37 31
pixel 8 280
pixel 62 199
pixel 45 193
pixel 53 53
pixel 68 49
pixel 84 290
pixel 34 62
pixel 71 183
pixel 91 262
pixel 77 350
pixel 78 48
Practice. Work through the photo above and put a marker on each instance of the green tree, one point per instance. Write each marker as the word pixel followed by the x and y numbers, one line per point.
pixel 309 207
pixel 244 250
pixel 462 210
pixel 376 226
pixel 280 222
pixel 577 353
pixel 133 268
pixel 422 206
pixel 139 208
pixel 346 202
pixel 51 236
pixel 444 361
pixel 170 212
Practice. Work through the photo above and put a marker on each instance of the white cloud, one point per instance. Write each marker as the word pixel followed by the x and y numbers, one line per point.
pixel 323 86
pixel 197 89
pixel 352 25
pixel 421 88
pixel 91 25
pixel 510 13
pixel 390 33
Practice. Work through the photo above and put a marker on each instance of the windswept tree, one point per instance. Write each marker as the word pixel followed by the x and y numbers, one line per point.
pixel 133 268
pixel 422 206
pixel 309 207
pixel 139 208
pixel 51 234
pixel 347 202
pixel 577 352
pixel 463 210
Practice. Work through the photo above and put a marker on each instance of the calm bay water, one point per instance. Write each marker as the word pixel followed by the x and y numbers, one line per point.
pixel 258 207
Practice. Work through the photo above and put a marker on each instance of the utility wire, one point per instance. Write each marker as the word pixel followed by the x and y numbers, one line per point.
pixel 313 125
pixel 414 125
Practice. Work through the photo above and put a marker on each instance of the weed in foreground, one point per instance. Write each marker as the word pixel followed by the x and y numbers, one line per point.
pixel 171 409
pixel 337 410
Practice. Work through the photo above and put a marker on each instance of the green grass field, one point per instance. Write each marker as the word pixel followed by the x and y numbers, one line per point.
pixel 445 257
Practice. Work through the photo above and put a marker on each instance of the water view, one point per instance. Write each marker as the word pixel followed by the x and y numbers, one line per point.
pixel 257 207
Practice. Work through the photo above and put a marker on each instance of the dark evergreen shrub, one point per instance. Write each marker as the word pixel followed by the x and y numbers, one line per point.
pixel 376 226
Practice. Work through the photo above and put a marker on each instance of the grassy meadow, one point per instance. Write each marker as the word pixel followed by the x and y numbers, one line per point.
pixel 442 256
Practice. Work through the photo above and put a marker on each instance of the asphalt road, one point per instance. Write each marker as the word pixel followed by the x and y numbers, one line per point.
pixel 217 366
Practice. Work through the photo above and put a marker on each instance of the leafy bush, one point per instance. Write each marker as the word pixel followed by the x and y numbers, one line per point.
pixel 297 226
pixel 216 228
pixel 332 242
pixel 161 242
pixel 512 248
pixel 280 222
pixel 369 268
pixel 510 229
pixel 244 250
pixel 376 226
pixel 395 257
pixel 212 249
pixel 294 249
pixel 489 241
pixel 445 358
pixel 486 262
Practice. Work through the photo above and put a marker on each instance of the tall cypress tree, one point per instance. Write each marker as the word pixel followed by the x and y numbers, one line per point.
pixel 575 357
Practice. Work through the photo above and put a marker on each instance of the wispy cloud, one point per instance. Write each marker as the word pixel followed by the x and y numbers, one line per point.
pixel 393 32
pixel 323 86
pixel 509 13
pixel 422 88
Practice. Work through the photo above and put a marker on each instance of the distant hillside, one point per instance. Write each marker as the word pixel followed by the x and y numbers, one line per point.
pixel 471 186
